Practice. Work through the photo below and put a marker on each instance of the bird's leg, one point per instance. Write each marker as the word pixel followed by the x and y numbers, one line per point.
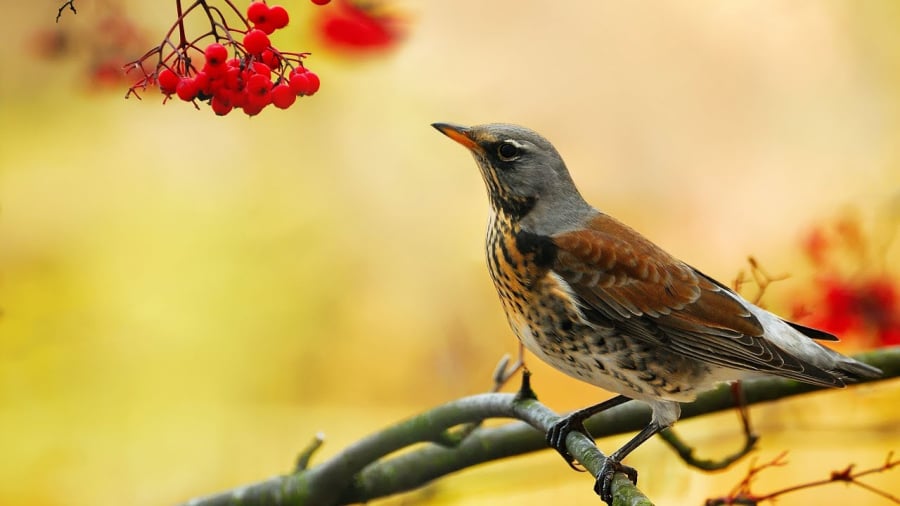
pixel 613 463
pixel 574 422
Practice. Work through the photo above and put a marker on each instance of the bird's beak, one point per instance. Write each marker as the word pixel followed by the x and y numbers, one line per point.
pixel 458 133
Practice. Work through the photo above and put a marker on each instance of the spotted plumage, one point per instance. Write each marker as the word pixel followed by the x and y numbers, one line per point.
pixel 603 304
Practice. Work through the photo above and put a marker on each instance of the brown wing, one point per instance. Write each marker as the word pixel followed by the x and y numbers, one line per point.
pixel 625 280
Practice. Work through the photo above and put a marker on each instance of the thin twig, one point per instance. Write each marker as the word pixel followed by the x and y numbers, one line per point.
pixel 304 457
pixel 70 4
pixel 686 452
pixel 760 277
pixel 742 493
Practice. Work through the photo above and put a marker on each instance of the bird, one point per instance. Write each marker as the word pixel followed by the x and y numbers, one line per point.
pixel 600 302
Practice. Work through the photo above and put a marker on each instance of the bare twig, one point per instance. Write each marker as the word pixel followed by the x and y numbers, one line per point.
pixel 743 495
pixel 686 452
pixel 759 276
pixel 70 4
pixel 307 453
pixel 503 372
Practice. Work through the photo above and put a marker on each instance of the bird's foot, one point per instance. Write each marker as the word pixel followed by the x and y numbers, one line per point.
pixel 559 431
pixel 611 466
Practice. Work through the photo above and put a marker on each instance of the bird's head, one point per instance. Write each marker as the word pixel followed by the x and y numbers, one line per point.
pixel 520 168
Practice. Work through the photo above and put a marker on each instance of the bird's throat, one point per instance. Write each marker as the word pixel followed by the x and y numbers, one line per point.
pixel 514 207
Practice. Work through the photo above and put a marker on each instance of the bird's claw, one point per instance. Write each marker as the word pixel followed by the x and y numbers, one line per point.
pixel 603 485
pixel 559 431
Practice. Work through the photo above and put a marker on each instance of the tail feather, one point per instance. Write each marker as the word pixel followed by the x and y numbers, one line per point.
pixel 812 333
pixel 853 370
pixel 845 369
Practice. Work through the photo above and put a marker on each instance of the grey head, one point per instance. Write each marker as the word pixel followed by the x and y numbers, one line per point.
pixel 526 179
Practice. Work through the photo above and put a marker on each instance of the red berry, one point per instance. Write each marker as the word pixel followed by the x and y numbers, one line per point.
pixel 221 105
pixel 278 17
pixel 168 81
pixel 202 81
pixel 232 79
pixel 359 29
pixel 268 28
pixel 214 70
pixel 187 89
pixel 261 68
pixel 270 58
pixel 256 41
pixel 283 96
pixel 238 97
pixel 313 82
pixel 258 85
pixel 252 108
pixel 306 83
pixel 889 336
pixel 215 54
pixel 320 2
pixel 257 12
pixel 214 87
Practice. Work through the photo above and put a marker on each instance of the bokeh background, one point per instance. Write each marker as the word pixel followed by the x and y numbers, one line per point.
pixel 187 299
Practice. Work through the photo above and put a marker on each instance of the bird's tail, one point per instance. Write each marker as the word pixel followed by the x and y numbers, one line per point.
pixel 851 370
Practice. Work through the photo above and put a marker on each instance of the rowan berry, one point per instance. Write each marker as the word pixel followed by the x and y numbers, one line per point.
pixel 304 83
pixel 259 67
pixel 257 12
pixel 238 97
pixel 256 41
pixel 220 105
pixel 187 89
pixel 278 17
pixel 283 96
pixel 214 70
pixel 258 86
pixel 270 58
pixel 266 28
pixel 320 2
pixel 202 80
pixel 215 54
pixel 252 108
pixel 168 81
pixel 232 79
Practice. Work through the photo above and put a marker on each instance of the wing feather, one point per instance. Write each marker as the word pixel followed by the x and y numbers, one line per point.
pixel 622 278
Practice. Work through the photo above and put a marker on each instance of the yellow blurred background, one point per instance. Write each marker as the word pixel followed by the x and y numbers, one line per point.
pixel 187 299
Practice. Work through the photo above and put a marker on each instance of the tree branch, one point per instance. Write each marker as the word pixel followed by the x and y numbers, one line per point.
pixel 357 474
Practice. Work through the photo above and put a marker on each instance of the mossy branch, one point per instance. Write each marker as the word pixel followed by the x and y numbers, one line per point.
pixel 361 472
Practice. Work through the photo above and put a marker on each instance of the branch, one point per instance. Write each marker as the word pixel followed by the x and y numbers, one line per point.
pixel 357 474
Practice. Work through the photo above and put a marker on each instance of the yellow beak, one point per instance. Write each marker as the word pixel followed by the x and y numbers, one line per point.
pixel 459 134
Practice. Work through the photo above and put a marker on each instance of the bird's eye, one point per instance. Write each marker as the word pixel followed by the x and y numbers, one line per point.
pixel 508 151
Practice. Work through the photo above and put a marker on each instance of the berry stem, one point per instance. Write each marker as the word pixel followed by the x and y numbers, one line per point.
pixel 180 22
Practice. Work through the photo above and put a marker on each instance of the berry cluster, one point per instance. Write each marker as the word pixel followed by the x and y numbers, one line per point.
pixel 861 303
pixel 250 83
pixel 358 28
pixel 254 76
